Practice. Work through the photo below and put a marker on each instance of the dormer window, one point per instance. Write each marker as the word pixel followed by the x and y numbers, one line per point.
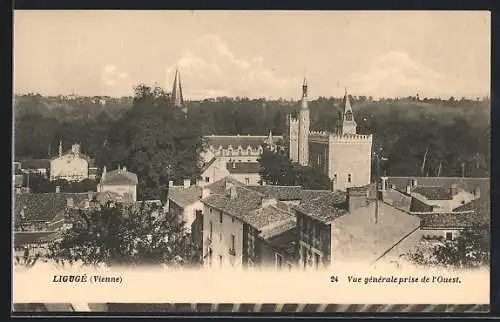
pixel 249 150
pixel 260 150
pixel 239 151
pixel 349 178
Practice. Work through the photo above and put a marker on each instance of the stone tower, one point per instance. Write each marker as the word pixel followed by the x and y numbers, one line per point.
pixel 177 99
pixel 304 127
pixel 349 154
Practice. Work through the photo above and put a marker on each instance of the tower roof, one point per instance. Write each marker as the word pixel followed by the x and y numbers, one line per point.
pixel 177 98
pixel 348 123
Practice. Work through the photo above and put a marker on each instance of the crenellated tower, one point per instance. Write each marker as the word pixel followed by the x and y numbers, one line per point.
pixel 304 123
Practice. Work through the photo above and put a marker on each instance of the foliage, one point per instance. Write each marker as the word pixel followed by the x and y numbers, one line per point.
pixel 277 169
pixel 470 249
pixel 454 132
pixel 119 235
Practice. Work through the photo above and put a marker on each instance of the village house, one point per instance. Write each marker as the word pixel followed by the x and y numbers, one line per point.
pixel 445 205
pixel 120 181
pixel 184 202
pixel 39 167
pixel 246 225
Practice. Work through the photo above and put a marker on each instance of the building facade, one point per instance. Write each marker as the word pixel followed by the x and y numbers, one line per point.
pixel 70 166
pixel 119 181
pixel 345 156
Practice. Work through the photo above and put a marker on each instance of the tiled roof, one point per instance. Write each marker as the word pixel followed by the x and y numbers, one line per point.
pixel 278 228
pixel 449 220
pixel 184 196
pixel 25 238
pixel 239 140
pixel 119 177
pixel 468 184
pixel 283 193
pixel 433 193
pixel 466 207
pixel 35 164
pixel 44 206
pixel 324 208
pixel 245 202
pixel 219 186
pixel 269 218
pixel 243 167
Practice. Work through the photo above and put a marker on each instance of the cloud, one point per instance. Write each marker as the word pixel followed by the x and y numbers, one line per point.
pixel 113 79
pixel 397 74
pixel 209 68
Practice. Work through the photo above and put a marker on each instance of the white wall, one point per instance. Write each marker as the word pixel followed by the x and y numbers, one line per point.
pixel 350 156
pixel 190 214
pixel 69 167
pixel 119 189
pixel 220 247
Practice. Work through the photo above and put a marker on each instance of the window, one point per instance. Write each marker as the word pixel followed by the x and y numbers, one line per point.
pixel 249 151
pixel 210 234
pixel 220 260
pixel 210 210
pixel 220 217
pixel 349 178
pixel 250 244
pixel 230 152
pixel 232 219
pixel 335 177
pixel 239 151
pixel 278 260
pixel 449 236
pixel 207 179
pixel 220 236
pixel 247 181
pixel 232 242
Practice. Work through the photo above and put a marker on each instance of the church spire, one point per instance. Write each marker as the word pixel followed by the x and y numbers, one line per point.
pixel 348 123
pixel 60 148
pixel 177 98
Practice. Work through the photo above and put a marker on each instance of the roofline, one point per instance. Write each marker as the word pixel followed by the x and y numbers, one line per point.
pixel 459 178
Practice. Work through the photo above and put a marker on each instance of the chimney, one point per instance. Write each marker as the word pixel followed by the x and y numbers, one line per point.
pixel 413 182
pixel 357 197
pixel 58 189
pixel 263 182
pixel 453 190
pixel 234 192
pixel 408 189
pixel 124 169
pixel 170 183
pixel 187 183
pixel 234 164
pixel 477 192
pixel 69 202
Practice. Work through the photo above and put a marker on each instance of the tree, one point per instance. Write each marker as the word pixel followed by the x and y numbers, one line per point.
pixel 471 249
pixel 156 141
pixel 277 169
pixel 119 235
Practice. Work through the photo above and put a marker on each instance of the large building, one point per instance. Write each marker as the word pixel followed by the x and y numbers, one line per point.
pixel 71 166
pixel 345 156
pixel 236 156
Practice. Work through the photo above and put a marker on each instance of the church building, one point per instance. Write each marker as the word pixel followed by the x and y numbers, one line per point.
pixel 345 155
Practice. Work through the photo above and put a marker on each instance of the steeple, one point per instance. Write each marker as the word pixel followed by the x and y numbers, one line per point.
pixel 348 123
pixel 270 140
pixel 304 95
pixel 177 98
pixel 60 148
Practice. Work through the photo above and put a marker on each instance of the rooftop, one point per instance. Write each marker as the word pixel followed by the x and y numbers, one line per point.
pixel 325 208
pixel 43 206
pixel 450 220
pixel 26 238
pixel 35 164
pixel 271 220
pixel 236 141
pixel 219 186
pixel 119 177
pixel 433 193
pixel 184 196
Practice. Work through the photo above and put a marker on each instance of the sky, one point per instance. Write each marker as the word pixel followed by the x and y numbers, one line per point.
pixel 253 53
